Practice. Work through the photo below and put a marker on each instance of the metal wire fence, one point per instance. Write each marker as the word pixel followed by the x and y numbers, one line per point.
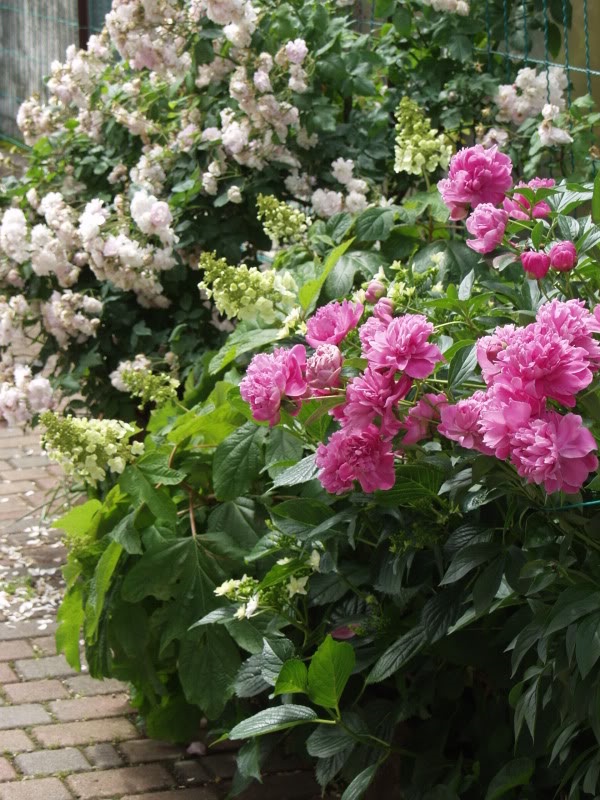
pixel 33 33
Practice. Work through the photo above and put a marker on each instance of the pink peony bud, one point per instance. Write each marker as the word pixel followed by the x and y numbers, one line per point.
pixel 344 632
pixel 375 290
pixel 323 368
pixel 384 309
pixel 563 256
pixel 535 264
pixel 487 223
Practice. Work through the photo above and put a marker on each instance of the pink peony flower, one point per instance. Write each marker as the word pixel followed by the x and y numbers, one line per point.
pixel 462 422
pixel 270 379
pixel 331 323
pixel 541 365
pixel 356 455
pixel 384 309
pixel 371 327
pixel 487 223
pixel 500 420
pixel 488 348
pixel 563 256
pixel 402 345
pixel 555 451
pixel 375 291
pixel 375 395
pixel 476 175
pixel 323 369
pixel 535 264
pixel 519 207
pixel 422 416
pixel 572 322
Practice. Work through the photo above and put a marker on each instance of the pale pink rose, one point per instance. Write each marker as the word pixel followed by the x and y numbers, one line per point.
pixel 563 256
pixel 356 455
pixel 555 451
pixel 519 207
pixel 374 396
pixel 403 345
pixel 462 422
pixel 535 264
pixel 421 419
pixel 323 369
pixel 487 223
pixel 332 323
pixel 273 378
pixel 476 175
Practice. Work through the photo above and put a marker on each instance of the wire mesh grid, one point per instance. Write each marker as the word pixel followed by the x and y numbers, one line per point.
pixel 33 34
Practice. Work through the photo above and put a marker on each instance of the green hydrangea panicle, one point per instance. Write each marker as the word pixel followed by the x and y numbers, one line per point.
pixel 280 221
pixel 246 292
pixel 158 388
pixel 89 449
pixel 419 147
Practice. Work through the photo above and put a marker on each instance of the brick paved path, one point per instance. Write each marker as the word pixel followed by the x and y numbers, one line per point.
pixel 64 735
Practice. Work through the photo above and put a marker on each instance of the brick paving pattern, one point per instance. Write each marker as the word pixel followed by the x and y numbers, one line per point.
pixel 66 736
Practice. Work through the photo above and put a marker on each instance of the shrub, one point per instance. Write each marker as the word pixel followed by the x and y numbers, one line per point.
pixel 377 543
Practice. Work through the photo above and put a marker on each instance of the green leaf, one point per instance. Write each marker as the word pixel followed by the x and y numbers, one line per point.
pixel 360 784
pixel 237 461
pixel 173 721
pixel 341 279
pixel 397 655
pixel 516 773
pixel 70 621
pixel 275 653
pixel 309 293
pixel 414 482
pixel 462 366
pixel 135 483
pixel 329 671
pixel 466 285
pixel 374 224
pixel 283 450
pixel 327 740
pixel 240 342
pixel 273 719
pixel 79 519
pixel 596 199
pixel 126 534
pixel 292 678
pixel 467 559
pixel 155 467
pixel 207 669
pixel 301 472
pixel 587 644
pixel 99 586
pixel 158 570
pixel 249 681
pixel 537 234
pixel 571 606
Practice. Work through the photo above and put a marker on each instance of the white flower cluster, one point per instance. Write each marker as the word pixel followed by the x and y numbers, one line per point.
pixel 153 217
pixel 22 395
pixel 13 235
pixel 70 315
pixel 531 91
pixel 549 133
pixel 88 449
pixel 150 34
pixel 13 315
pixel 460 7
pixel 139 364
pixel 327 202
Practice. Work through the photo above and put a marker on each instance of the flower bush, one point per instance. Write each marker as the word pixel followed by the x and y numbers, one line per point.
pixel 197 127
pixel 373 540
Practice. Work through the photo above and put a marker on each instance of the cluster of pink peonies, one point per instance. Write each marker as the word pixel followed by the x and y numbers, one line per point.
pixel 530 373
pixel 552 359
pixel 479 178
